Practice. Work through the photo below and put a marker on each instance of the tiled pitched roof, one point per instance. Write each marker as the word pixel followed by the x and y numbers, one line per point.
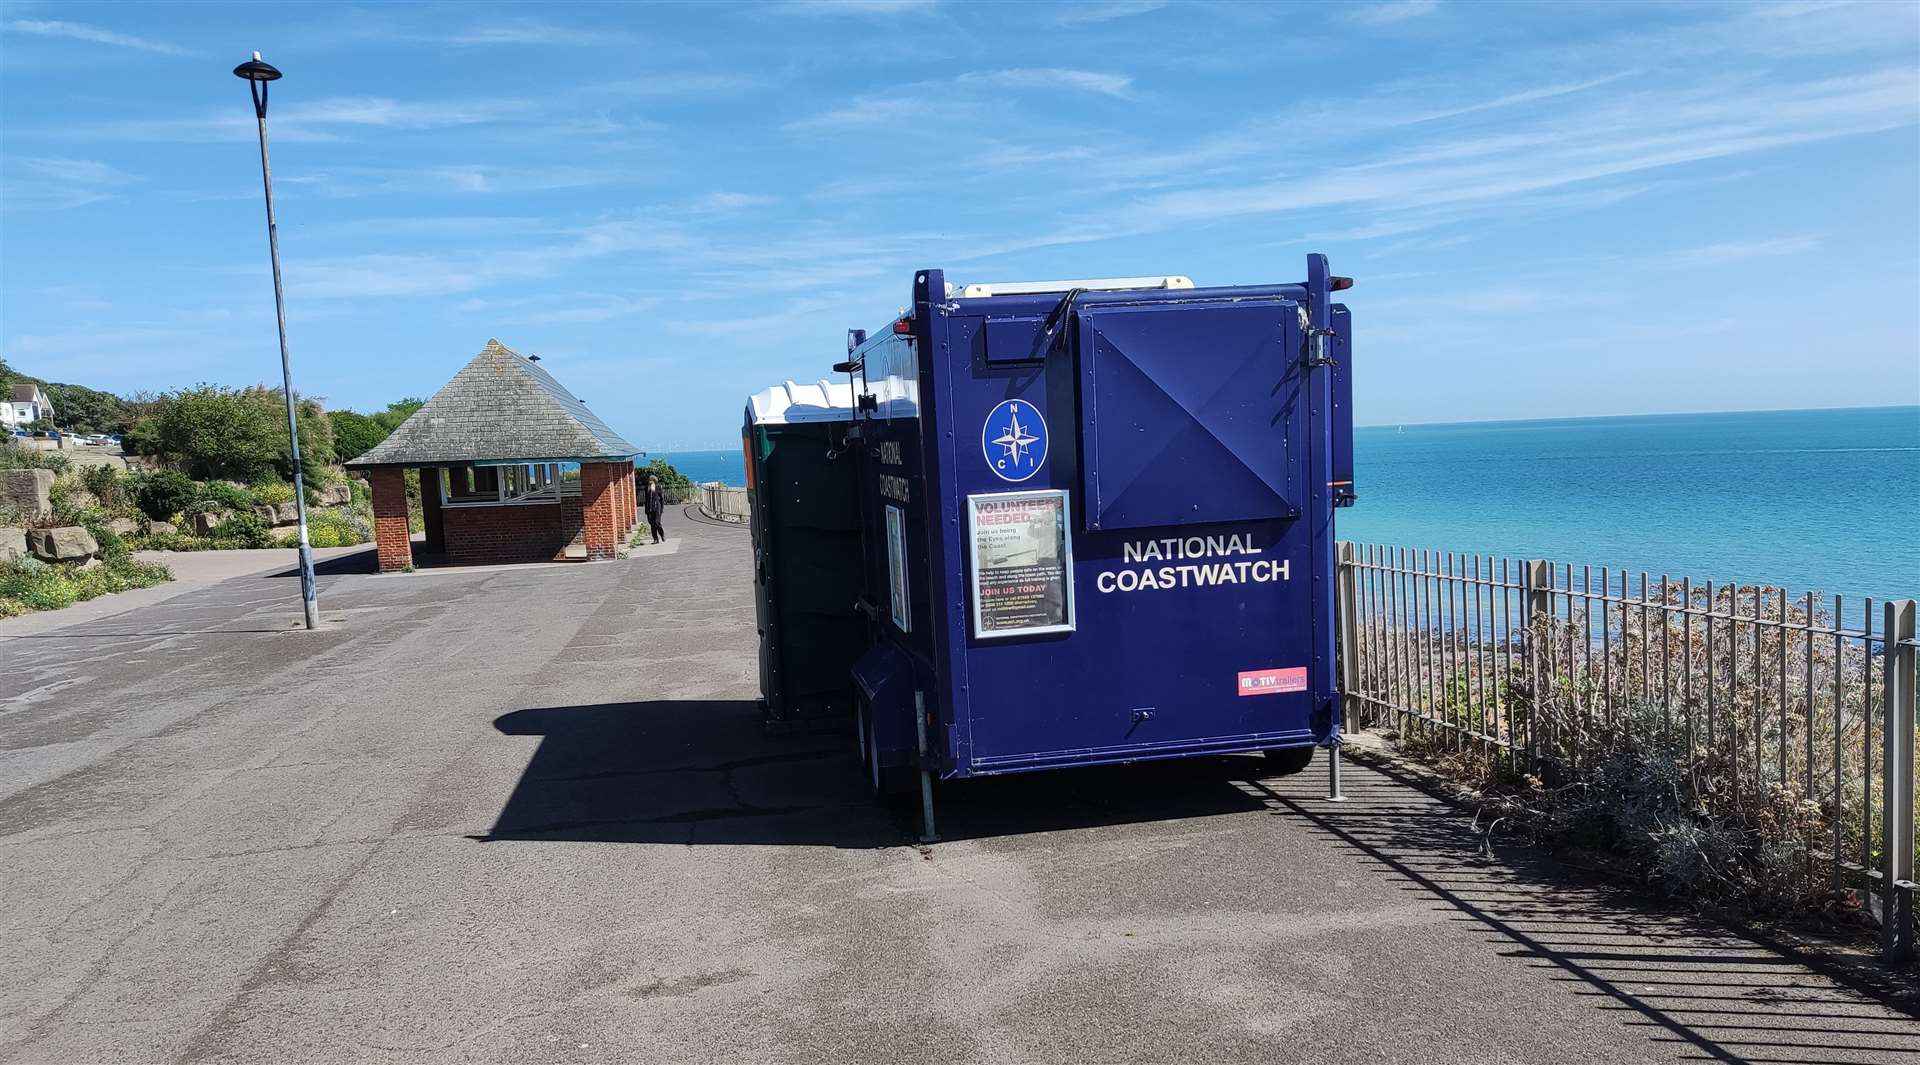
pixel 501 408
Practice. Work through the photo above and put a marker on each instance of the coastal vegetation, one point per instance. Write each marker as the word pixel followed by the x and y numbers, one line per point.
pixel 1701 747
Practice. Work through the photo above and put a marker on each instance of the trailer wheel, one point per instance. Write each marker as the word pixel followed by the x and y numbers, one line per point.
pixel 1288 760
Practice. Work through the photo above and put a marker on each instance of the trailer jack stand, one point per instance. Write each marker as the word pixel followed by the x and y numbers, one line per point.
pixel 1334 793
pixel 927 833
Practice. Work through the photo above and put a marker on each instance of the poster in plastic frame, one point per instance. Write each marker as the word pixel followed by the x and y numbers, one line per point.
pixel 897 568
pixel 1022 552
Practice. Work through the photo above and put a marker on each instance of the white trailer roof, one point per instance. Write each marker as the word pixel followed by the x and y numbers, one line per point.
pixel 792 402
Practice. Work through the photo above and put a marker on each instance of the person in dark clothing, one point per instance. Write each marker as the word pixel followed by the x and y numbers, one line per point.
pixel 656 504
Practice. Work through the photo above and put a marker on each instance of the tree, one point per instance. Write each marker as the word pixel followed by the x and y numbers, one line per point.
pixel 355 434
pixel 240 433
pixel 86 410
pixel 398 411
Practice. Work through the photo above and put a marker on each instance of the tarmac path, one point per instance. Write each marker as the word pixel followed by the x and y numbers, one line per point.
pixel 529 815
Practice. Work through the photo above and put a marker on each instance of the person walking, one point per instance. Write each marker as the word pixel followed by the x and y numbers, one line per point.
pixel 656 505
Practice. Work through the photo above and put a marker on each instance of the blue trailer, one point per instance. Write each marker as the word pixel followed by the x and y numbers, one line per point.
pixel 1097 520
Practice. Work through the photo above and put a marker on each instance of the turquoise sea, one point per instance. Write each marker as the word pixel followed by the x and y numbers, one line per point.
pixel 1815 500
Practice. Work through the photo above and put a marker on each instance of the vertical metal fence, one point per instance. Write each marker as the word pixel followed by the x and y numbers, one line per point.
pixel 723 503
pixel 1541 665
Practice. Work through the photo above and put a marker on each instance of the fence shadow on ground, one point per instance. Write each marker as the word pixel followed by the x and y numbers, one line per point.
pixel 1719 995
pixel 687 772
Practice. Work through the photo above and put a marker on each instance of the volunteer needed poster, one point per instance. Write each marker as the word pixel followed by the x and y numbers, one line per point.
pixel 1022 564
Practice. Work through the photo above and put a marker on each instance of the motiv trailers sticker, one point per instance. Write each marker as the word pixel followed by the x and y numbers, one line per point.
pixel 1272 681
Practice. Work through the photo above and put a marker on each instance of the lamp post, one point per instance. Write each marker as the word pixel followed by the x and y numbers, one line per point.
pixel 257 74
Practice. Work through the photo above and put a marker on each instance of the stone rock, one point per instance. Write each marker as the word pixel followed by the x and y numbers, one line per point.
pixel 289 513
pixel 205 522
pixel 123 526
pixel 161 528
pixel 13 544
pixel 28 491
pixel 91 563
pixel 69 543
pixel 266 512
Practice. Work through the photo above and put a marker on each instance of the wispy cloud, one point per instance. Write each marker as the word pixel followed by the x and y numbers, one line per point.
pixel 452 178
pixel 559 308
pixel 729 202
pixel 533 32
pixel 1734 251
pixel 80 31
pixel 1089 12
pixel 856 7
pixel 865 112
pixel 681 85
pixel 1052 78
pixel 322 120
pixel 1391 11
pixel 53 184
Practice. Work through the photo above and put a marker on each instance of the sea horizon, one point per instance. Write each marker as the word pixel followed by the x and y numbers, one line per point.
pixel 1822 499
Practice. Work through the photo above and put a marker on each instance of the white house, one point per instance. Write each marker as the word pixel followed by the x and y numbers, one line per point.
pixel 27 405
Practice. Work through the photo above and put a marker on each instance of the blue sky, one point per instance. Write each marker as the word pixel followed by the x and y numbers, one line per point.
pixel 1550 210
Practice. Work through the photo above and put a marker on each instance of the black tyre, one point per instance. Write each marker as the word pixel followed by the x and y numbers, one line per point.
pixel 1288 761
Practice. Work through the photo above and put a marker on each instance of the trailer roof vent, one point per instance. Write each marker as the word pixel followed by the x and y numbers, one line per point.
pixel 1096 284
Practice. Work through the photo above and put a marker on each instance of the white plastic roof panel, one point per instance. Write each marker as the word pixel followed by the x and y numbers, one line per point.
pixel 793 402
pixel 1091 284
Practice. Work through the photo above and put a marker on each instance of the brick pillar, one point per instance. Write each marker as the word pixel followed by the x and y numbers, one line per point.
pixel 598 503
pixel 631 514
pixel 390 532
pixel 430 510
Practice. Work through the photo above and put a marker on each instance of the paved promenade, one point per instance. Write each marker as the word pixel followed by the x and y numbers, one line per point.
pixel 529 816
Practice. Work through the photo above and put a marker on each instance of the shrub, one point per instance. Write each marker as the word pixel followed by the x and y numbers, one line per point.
pixel 15 457
pixel 272 490
pixel 332 528
pixel 28 584
pixel 227 495
pixel 211 431
pixel 162 495
pixel 245 529
pixel 107 486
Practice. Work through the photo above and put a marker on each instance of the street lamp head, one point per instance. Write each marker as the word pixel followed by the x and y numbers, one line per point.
pixel 257 70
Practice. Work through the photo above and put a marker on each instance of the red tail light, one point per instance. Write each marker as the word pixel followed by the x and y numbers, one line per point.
pixel 1341 284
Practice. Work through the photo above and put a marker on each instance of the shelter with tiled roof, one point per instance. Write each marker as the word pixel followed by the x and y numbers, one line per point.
pixel 495 449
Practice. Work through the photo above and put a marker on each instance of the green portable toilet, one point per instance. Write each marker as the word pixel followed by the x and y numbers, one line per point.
pixel 806 548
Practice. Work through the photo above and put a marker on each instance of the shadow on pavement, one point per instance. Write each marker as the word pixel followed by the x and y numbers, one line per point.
pixel 364 561
pixel 1720 995
pixel 687 772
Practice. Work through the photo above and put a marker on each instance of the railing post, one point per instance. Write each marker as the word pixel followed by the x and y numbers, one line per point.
pixel 1347 621
pixel 1896 807
pixel 1538 591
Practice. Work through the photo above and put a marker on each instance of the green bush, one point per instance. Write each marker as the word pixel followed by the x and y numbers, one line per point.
pixel 274 491
pixel 245 529
pixel 107 486
pixel 27 584
pixel 162 495
pixel 226 495
pixel 37 585
pixel 15 457
pixel 211 431
pixel 331 528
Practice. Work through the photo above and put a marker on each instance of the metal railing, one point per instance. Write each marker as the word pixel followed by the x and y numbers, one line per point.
pixel 723 503
pixel 1810 698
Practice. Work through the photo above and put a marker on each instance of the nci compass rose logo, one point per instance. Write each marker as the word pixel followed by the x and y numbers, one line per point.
pixel 1014 440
